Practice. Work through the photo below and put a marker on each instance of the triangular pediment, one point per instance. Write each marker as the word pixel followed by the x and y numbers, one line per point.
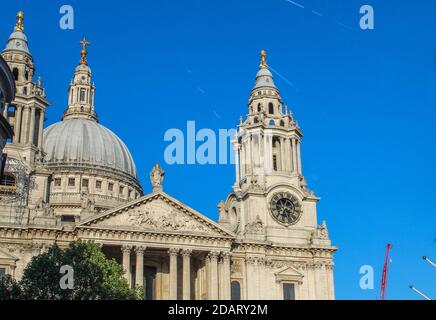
pixel 6 256
pixel 156 212
pixel 289 273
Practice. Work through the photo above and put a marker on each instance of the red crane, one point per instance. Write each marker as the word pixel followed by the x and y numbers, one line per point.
pixel 384 281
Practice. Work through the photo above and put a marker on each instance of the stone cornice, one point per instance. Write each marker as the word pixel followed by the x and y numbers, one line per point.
pixel 19 234
pixel 270 248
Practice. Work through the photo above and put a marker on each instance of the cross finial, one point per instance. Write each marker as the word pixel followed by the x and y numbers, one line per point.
pixel 84 52
pixel 19 26
pixel 84 43
pixel 263 63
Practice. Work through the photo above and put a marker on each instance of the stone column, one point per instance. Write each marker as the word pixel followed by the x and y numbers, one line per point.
pixel 288 155
pixel 41 128
pixel 243 160
pixel 139 280
pixel 25 125
pixel 268 152
pixel 265 152
pixel 173 252
pixel 331 282
pixel 126 263
pixel 256 147
pixel 32 125
pixel 249 155
pixel 282 154
pixel 237 147
pixel 225 273
pixel 213 278
pixel 300 169
pixel 294 155
pixel 186 274
pixel 17 128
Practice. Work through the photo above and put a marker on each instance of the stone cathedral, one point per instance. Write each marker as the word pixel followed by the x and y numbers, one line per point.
pixel 76 180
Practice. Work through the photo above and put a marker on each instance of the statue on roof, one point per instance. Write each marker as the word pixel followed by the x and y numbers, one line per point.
pixel 156 177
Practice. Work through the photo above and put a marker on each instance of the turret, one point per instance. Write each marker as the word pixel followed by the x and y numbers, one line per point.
pixel 81 91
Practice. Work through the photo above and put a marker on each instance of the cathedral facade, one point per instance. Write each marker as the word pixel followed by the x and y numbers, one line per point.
pixel 76 180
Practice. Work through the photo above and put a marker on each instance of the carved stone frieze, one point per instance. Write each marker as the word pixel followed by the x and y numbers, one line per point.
pixel 158 215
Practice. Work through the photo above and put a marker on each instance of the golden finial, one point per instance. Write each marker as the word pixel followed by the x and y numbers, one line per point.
pixel 84 52
pixel 263 63
pixel 19 26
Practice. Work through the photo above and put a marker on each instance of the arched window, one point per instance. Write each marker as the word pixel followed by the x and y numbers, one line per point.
pixel 271 108
pixel 282 123
pixel 271 122
pixel 16 73
pixel 259 107
pixel 256 120
pixel 235 290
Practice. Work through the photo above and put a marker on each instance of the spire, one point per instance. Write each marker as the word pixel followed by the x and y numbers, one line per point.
pixel 84 52
pixel 18 40
pixel 81 91
pixel 20 18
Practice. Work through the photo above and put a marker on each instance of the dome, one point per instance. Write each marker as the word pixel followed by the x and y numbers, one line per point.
pixel 17 42
pixel 264 78
pixel 83 67
pixel 86 143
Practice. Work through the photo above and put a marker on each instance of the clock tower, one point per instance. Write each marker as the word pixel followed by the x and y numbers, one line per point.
pixel 271 206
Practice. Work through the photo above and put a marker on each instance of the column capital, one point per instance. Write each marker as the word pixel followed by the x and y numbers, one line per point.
pixel 226 255
pixel 126 248
pixel 140 249
pixel 213 255
pixel 186 252
pixel 173 251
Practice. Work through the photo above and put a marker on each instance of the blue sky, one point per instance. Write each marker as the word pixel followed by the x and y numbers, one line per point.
pixel 365 100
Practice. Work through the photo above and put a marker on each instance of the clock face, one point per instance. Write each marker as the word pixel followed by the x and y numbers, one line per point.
pixel 285 208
